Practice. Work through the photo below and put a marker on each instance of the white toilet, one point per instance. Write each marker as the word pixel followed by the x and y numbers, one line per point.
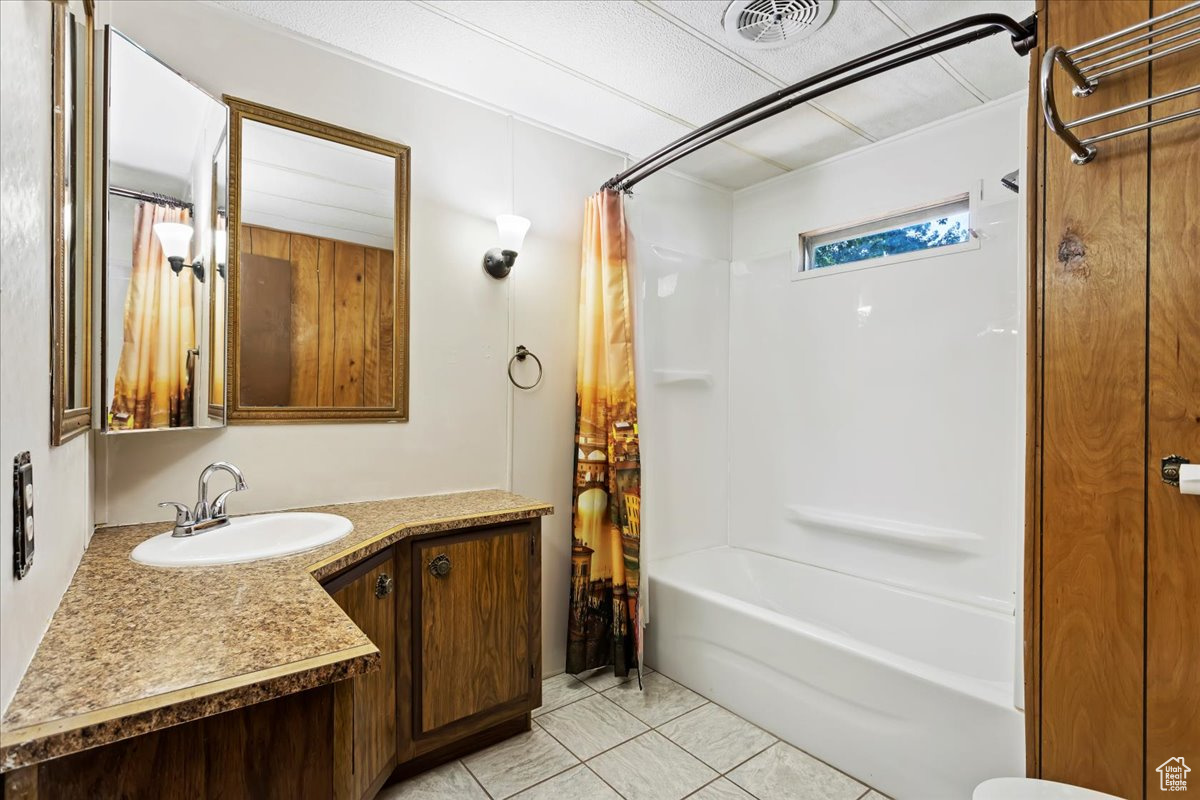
pixel 1034 789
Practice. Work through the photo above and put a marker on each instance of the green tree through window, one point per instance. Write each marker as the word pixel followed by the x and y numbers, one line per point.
pixel 921 236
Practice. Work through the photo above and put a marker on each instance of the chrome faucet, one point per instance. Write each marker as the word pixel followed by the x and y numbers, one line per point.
pixel 205 516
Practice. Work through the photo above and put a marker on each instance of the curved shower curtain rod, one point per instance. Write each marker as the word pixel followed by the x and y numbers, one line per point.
pixel 979 26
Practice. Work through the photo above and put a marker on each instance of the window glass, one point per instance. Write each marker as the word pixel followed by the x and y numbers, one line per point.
pixel 908 232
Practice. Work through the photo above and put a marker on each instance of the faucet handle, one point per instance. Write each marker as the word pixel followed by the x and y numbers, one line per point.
pixel 217 511
pixel 183 514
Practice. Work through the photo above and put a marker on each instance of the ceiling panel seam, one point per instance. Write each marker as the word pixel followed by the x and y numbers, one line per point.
pixel 750 65
pixel 937 59
pixel 433 9
pixel 280 29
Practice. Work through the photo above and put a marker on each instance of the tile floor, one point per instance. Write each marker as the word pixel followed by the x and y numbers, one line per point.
pixel 598 738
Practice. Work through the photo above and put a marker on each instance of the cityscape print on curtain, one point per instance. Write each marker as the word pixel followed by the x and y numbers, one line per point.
pixel 603 621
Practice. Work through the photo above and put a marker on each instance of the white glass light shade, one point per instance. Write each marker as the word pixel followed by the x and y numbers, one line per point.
pixel 512 231
pixel 174 237
pixel 221 243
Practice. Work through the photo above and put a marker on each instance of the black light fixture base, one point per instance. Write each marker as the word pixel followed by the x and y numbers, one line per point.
pixel 177 266
pixel 498 263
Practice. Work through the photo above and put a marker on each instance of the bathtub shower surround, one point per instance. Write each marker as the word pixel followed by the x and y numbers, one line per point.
pixel 604 625
pixel 903 691
pixel 860 603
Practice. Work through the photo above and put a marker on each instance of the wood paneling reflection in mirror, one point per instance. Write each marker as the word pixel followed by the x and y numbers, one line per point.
pixel 321 334
pixel 319 318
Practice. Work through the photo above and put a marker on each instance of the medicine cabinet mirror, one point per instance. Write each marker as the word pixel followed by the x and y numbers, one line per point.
pixel 72 32
pixel 318 279
pixel 166 157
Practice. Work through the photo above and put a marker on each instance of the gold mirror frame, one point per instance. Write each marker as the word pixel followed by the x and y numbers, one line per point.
pixel 244 110
pixel 69 421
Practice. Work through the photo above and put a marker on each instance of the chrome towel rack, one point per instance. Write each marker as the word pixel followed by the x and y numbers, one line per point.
pixel 1091 62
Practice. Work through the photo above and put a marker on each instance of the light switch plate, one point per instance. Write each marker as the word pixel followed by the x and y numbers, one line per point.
pixel 22 514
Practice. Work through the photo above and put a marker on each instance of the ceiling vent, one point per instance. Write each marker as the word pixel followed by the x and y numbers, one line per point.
pixel 767 24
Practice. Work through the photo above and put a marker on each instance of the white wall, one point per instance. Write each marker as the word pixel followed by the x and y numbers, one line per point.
pixel 891 397
pixel 62 489
pixel 469 163
pixel 680 243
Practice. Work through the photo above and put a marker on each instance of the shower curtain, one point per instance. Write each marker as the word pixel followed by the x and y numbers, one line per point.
pixel 153 387
pixel 603 622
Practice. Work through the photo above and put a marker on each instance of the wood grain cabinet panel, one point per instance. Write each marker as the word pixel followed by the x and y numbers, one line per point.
pixel 1173 519
pixel 280 749
pixel 474 626
pixel 367 593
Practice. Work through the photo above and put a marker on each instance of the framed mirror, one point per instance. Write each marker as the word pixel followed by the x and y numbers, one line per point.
pixel 318 279
pixel 166 157
pixel 72 31
pixel 218 295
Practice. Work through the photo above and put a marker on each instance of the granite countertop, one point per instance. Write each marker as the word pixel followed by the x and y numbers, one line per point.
pixel 134 648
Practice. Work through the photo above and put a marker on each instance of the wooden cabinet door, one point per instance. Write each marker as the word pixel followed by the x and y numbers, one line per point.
pixel 368 596
pixel 475 614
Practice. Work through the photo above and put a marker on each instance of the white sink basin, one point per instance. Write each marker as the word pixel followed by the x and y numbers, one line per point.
pixel 244 539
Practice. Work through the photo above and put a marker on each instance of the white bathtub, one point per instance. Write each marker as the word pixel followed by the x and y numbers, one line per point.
pixel 907 693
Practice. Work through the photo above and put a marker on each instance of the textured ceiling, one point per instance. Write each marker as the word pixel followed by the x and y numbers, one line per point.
pixel 635 74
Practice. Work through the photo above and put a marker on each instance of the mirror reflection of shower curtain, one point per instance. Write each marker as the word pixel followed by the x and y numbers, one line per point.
pixel 153 384
pixel 603 621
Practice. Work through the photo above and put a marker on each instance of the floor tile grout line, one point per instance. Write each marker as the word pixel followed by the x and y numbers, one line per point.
pixel 747 791
pixel 615 746
pixel 606 783
pixel 707 701
pixel 750 758
pixel 578 763
pixel 776 739
pixel 640 735
pixel 605 750
pixel 779 740
pixel 702 788
pixel 475 778
pixel 564 705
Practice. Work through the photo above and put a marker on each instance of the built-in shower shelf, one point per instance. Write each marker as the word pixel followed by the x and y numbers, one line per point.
pixel 946 540
pixel 697 377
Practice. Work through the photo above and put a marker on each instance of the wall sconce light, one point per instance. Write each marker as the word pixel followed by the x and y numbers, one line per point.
pixel 174 237
pixel 498 261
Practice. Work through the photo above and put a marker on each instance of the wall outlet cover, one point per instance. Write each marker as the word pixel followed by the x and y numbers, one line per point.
pixel 22 514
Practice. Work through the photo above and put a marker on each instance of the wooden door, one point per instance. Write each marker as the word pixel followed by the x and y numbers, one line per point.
pixel 1173 427
pixel 1113 553
pixel 367 594
pixel 265 332
pixel 474 617
pixel 1093 479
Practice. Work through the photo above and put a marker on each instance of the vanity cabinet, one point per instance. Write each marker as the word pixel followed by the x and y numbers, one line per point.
pixel 476 625
pixel 365 711
pixel 470 640
pixel 457 620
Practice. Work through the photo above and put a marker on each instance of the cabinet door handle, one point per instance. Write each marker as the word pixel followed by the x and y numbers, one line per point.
pixel 383 585
pixel 440 566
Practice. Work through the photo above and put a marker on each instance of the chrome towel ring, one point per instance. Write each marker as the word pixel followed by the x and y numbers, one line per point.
pixel 522 353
